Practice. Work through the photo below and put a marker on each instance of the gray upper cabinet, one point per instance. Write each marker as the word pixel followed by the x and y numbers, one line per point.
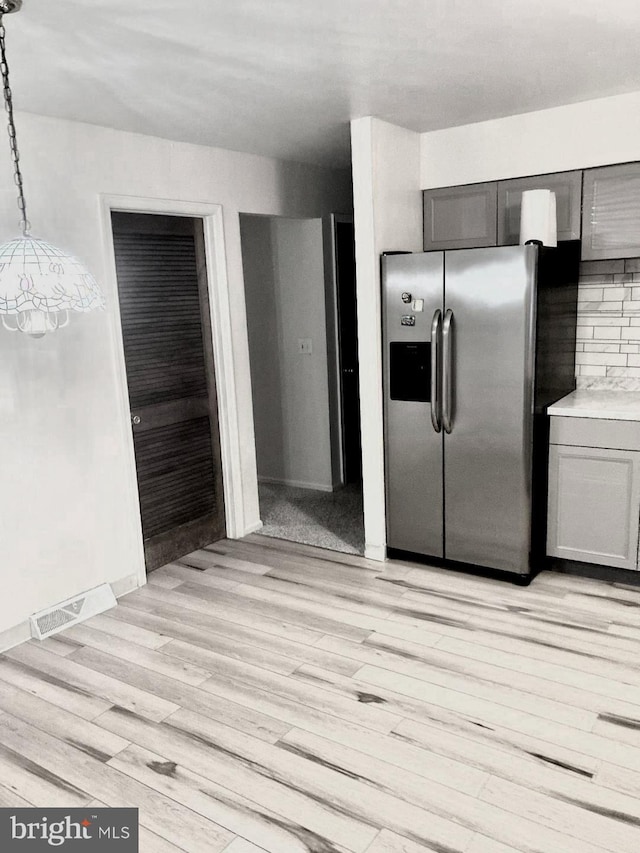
pixel 568 189
pixel 611 212
pixel 460 217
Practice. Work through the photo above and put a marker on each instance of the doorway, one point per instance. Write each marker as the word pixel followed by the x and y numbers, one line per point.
pixel 344 271
pixel 168 350
pixel 298 300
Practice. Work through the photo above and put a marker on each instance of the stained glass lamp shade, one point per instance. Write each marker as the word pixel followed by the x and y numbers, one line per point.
pixel 39 283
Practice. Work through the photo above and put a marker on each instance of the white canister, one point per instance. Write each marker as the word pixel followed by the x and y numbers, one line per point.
pixel 538 217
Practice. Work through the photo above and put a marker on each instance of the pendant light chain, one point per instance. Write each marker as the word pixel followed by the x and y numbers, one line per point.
pixel 11 129
pixel 39 283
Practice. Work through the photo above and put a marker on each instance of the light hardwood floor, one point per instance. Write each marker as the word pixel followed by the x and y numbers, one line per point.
pixel 265 696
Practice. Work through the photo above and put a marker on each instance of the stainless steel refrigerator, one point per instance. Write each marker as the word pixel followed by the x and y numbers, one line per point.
pixel 477 342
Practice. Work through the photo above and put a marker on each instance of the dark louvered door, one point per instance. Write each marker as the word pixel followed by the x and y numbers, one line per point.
pixel 168 353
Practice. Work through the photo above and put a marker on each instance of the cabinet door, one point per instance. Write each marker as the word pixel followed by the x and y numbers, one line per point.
pixel 594 503
pixel 460 217
pixel 611 212
pixel 568 189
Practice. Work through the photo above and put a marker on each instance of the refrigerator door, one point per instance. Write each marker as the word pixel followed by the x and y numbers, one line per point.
pixel 412 293
pixel 490 297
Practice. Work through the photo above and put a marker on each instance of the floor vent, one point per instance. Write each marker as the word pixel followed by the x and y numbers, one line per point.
pixel 70 612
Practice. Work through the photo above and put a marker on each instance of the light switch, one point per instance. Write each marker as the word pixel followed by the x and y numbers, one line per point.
pixel 305 346
pixel 418 305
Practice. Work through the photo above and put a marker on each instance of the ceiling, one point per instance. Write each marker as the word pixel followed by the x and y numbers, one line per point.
pixel 283 77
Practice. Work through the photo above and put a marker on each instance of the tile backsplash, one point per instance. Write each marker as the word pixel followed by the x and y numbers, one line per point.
pixel 608 338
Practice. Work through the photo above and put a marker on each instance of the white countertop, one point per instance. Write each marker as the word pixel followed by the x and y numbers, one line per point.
pixel 609 405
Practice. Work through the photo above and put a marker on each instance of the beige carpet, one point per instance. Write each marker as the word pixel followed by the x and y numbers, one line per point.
pixel 325 519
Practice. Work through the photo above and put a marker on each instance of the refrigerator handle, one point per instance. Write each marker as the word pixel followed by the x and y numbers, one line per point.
pixel 436 358
pixel 447 371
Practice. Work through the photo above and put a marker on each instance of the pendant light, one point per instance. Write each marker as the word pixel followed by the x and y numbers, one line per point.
pixel 39 284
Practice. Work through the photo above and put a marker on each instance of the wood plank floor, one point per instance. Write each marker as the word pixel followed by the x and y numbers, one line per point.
pixel 264 696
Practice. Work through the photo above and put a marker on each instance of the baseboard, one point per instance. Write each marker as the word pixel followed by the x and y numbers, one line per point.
pixel 297 484
pixel 124 585
pixel 376 552
pixel 15 636
pixel 593 570
pixel 22 632
pixel 251 528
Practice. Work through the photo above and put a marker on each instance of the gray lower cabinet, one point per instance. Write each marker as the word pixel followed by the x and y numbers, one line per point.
pixel 568 189
pixel 611 212
pixel 460 217
pixel 594 504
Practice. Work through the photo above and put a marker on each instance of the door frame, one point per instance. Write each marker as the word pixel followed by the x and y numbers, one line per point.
pixel 211 216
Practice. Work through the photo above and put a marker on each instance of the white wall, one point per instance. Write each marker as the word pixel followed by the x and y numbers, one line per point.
pixel 263 327
pixel 577 136
pixel 285 295
pixel 67 518
pixel 388 216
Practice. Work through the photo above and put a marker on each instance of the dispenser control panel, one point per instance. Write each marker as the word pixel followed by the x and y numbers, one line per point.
pixel 417 306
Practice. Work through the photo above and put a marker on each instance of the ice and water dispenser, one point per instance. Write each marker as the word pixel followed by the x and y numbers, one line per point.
pixel 409 371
